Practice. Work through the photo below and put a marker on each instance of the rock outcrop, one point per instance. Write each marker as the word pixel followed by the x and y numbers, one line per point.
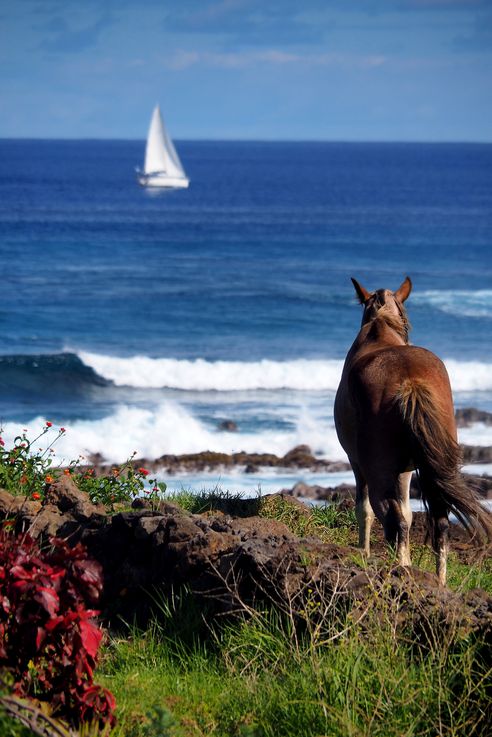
pixel 467 416
pixel 232 561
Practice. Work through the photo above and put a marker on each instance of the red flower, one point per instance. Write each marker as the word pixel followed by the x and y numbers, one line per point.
pixel 49 424
pixel 36 495
pixel 143 471
pixel 49 479
pixel 62 430
pixel 2 443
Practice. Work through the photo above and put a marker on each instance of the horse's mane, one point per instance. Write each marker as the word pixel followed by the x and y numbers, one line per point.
pixel 399 323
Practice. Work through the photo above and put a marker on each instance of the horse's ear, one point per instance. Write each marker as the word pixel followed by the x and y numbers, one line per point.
pixel 404 290
pixel 362 294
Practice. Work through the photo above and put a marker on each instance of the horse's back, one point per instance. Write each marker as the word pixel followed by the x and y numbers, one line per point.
pixel 378 376
pixel 368 402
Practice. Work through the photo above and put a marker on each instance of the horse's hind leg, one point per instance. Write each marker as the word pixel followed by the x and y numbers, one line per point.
pixel 439 521
pixel 403 496
pixel 363 510
pixel 441 546
pixel 390 498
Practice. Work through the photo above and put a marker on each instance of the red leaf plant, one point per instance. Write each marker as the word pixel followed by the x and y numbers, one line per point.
pixel 48 638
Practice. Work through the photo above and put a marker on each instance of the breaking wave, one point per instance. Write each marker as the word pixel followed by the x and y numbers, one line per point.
pixel 78 374
pixel 300 374
pixel 202 375
pixel 170 428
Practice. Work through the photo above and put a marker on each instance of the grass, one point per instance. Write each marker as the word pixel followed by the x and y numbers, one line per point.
pixel 256 677
pixel 461 576
pixel 259 676
pixel 328 522
pixel 190 675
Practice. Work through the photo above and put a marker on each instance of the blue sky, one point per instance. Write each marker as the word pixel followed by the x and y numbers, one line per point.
pixel 239 69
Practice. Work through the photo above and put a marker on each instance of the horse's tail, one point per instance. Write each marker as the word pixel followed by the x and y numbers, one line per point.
pixel 437 457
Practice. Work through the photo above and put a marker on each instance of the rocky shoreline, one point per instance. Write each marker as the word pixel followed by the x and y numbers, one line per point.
pixel 232 561
pixel 300 458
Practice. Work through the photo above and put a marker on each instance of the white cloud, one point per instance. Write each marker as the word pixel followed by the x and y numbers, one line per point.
pixel 183 59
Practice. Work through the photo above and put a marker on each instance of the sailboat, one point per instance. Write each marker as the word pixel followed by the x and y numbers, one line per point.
pixel 162 167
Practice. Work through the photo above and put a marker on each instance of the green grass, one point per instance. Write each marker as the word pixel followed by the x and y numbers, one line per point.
pixel 317 672
pixel 328 522
pixel 461 576
pixel 262 676
pixel 257 677
pixel 212 500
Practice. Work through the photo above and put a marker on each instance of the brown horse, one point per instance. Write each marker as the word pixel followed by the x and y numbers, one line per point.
pixel 394 414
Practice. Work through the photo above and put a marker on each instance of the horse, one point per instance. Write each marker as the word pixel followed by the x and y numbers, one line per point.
pixel 394 414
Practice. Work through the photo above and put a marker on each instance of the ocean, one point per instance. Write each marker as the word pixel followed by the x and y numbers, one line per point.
pixel 140 320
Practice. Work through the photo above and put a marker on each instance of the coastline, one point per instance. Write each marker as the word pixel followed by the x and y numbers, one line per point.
pixel 299 473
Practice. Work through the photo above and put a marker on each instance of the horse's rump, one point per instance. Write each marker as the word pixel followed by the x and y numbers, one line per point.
pixel 437 457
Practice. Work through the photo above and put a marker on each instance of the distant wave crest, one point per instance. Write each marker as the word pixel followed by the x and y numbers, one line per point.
pixel 76 375
pixel 202 375
pixel 463 302
pixel 48 374
pixel 300 374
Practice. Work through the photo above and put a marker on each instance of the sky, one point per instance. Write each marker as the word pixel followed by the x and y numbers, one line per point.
pixel 343 70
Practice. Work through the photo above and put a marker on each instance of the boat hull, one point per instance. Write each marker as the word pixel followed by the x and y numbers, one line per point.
pixel 162 181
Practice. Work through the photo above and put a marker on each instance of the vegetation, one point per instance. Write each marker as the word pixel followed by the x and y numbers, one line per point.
pixel 330 522
pixel 337 674
pixel 24 468
pixel 27 469
pixel 258 676
pixel 321 670
pixel 48 637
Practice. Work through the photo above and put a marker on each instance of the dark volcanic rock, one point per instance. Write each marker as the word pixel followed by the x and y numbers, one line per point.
pixel 482 485
pixel 67 497
pixel 301 490
pixel 228 426
pixel 477 453
pixel 469 415
pixel 11 506
pixel 233 561
pixel 299 457
pixel 65 512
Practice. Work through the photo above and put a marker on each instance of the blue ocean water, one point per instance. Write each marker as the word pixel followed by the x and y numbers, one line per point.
pixel 140 319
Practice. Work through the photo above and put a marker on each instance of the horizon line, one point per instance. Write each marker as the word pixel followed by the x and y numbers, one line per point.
pixel 259 140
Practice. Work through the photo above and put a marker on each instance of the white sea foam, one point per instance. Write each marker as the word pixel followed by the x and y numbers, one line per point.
pixel 171 429
pixel 478 469
pixel 467 303
pixel 300 374
pixel 469 376
pixel 202 375
pixel 249 485
pixel 476 434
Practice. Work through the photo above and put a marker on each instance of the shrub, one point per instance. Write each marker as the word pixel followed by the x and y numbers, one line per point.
pixel 120 486
pixel 24 471
pixel 48 638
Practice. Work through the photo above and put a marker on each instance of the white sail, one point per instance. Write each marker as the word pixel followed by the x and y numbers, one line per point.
pixel 162 167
